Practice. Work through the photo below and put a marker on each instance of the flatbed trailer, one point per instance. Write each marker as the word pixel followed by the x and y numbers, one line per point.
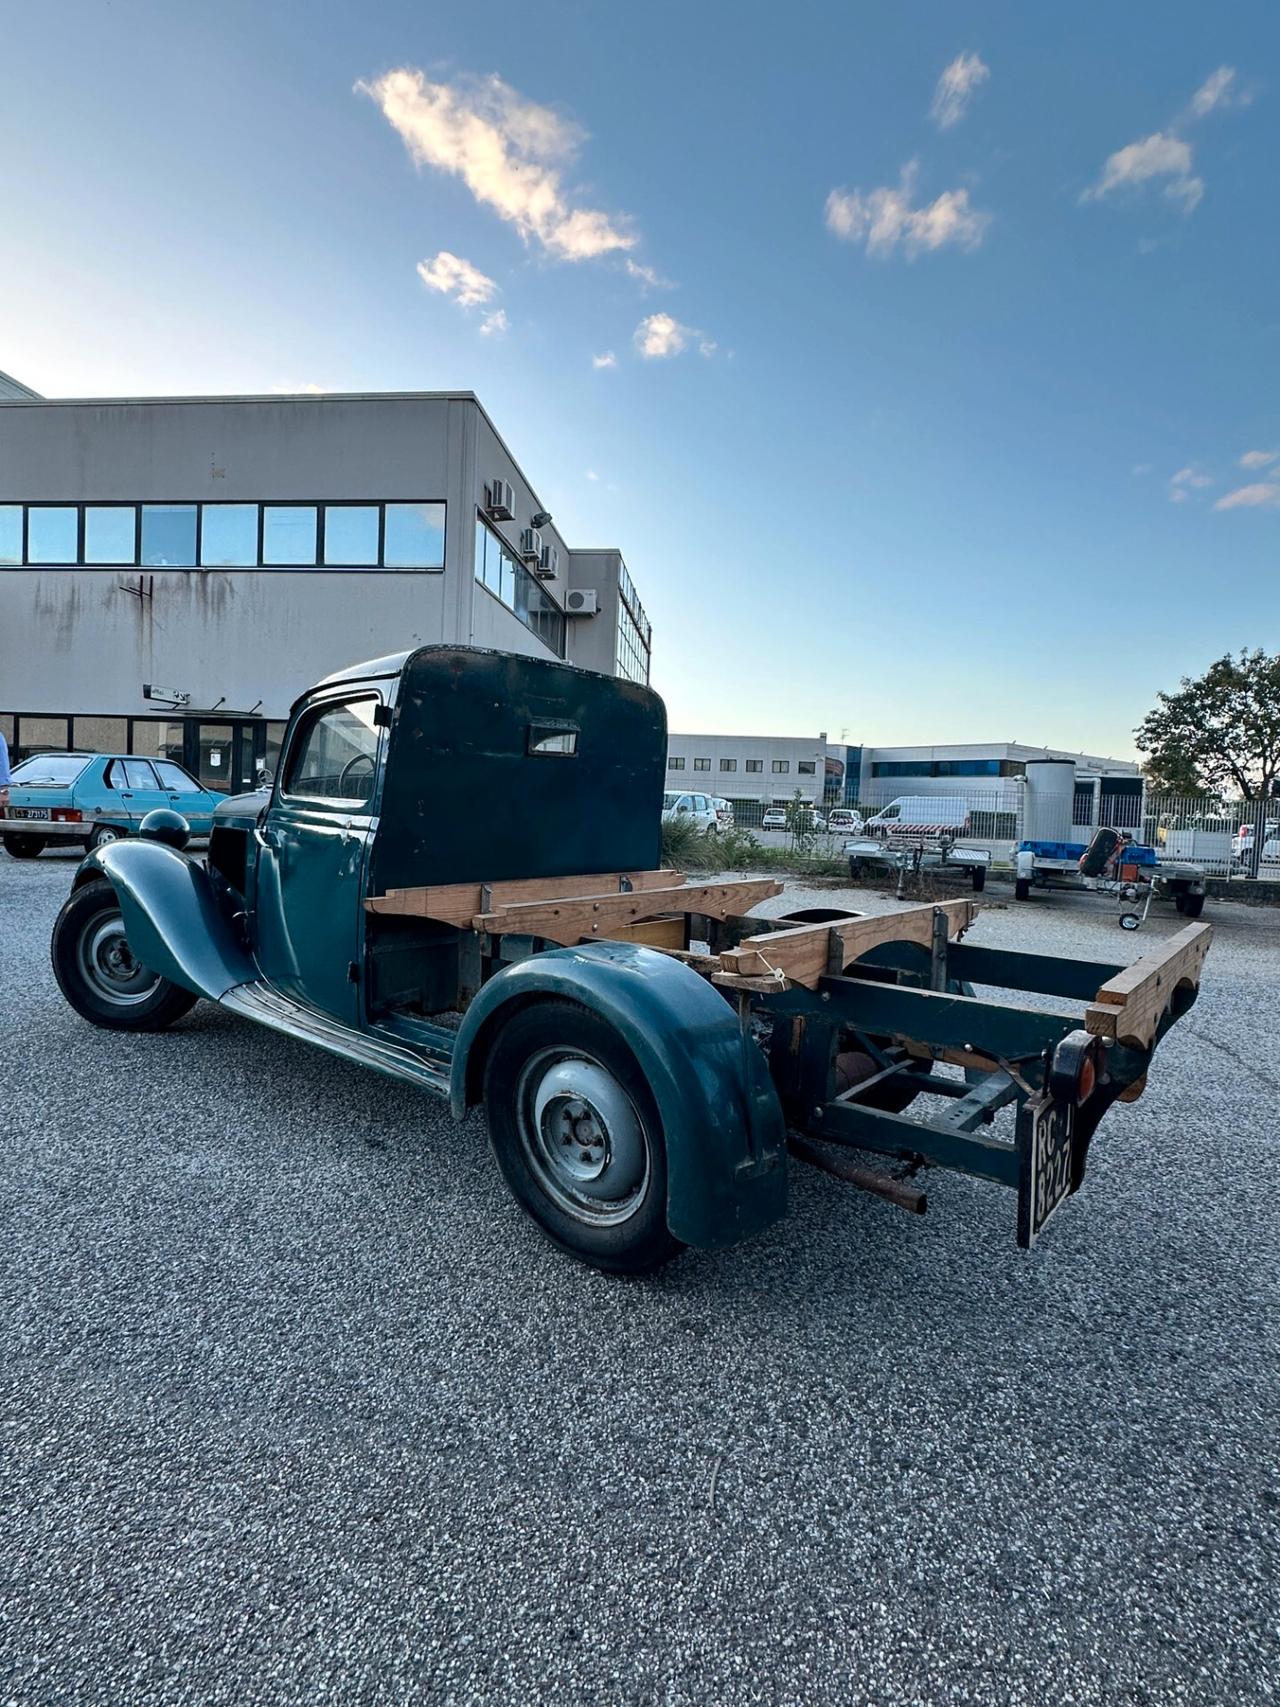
pixel 1139 877
pixel 909 855
pixel 648 1051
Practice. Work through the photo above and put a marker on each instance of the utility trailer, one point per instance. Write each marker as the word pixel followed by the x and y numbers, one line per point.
pixel 454 879
pixel 909 855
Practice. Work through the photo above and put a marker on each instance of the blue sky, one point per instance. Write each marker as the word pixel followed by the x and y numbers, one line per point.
pixel 938 333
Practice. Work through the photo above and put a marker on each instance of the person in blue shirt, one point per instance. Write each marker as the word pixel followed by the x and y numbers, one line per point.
pixel 5 777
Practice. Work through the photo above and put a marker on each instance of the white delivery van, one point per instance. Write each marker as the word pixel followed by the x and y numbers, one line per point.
pixel 921 815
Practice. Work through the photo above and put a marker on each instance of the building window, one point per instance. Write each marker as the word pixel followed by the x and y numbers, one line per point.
pixel 289 535
pixel 228 536
pixel 754 764
pixel 168 536
pixel 53 534
pixel 414 536
pixel 807 767
pixel 110 533
pixel 498 569
pixel 156 738
pixel 702 764
pixel 10 533
pixel 634 641
pixel 781 766
pixel 351 535
pixel 728 764
pixel 675 764
pixel 100 734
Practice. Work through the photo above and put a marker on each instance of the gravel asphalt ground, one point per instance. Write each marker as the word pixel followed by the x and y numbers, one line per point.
pixel 298 1409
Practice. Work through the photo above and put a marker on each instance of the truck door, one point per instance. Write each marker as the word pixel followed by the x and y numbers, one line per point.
pixel 314 843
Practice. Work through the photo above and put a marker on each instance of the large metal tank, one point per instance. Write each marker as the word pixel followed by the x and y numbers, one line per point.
pixel 1048 801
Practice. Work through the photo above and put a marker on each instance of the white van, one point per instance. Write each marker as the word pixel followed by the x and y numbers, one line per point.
pixel 921 815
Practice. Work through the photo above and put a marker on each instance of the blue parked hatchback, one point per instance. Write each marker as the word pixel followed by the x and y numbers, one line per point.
pixel 93 798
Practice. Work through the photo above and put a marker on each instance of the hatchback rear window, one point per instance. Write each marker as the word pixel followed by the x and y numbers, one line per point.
pixel 59 768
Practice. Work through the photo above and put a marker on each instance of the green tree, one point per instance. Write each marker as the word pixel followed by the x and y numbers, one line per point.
pixel 1219 731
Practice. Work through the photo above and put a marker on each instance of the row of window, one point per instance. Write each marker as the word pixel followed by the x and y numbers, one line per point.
pixel 939 767
pixel 780 767
pixel 500 571
pixel 224 536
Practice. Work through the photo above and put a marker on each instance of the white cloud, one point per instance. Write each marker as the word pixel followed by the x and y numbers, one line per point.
pixel 1160 155
pixel 1264 495
pixel 886 217
pixel 649 277
pixel 1187 480
pixel 662 335
pixel 1259 458
pixel 452 276
pixel 1141 468
pixel 707 347
pixel 592 475
pixel 299 390
pixel 510 153
pixel 1218 90
pixel 955 90
pixel 608 359
pixel 495 322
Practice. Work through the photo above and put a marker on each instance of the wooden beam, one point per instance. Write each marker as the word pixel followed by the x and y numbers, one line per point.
pixel 576 917
pixel 801 955
pixel 458 903
pixel 1129 1007
pixel 666 932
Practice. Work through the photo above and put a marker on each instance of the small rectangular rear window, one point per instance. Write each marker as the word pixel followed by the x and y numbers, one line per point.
pixel 553 739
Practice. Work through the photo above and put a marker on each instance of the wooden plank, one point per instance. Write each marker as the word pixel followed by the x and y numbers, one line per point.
pixel 458 903
pixel 577 917
pixel 667 932
pixel 800 955
pixel 1129 1006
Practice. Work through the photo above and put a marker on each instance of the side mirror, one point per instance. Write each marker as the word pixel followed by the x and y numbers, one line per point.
pixel 167 826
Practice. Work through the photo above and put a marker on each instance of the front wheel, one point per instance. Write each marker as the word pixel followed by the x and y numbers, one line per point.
pixel 23 847
pixel 578 1137
pixel 1190 906
pixel 97 972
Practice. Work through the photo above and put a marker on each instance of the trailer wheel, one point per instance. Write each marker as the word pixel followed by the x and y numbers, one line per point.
pixel 1189 905
pixel 979 879
pixel 578 1138
pixel 1022 888
pixel 1130 921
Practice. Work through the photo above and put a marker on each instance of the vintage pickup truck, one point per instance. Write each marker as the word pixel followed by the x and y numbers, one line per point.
pixel 455 879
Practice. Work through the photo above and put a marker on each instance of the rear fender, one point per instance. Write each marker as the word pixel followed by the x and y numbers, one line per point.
pixel 725 1135
pixel 171 915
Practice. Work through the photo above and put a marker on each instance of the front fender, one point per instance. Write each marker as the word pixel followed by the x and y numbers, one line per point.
pixel 725 1135
pixel 171 915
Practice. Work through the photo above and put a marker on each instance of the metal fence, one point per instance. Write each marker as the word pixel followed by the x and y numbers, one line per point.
pixel 1224 836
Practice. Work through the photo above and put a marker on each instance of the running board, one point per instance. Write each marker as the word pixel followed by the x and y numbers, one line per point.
pixel 424 1066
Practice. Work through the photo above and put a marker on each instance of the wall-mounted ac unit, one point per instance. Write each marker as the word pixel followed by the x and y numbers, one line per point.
pixel 502 500
pixel 531 545
pixel 548 565
pixel 582 601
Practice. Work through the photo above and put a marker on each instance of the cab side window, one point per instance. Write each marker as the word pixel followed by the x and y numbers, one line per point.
pixel 334 754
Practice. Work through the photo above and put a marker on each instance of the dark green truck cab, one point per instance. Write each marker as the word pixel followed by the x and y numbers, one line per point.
pixel 455 879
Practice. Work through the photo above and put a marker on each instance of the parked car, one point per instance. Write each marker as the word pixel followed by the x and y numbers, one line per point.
pixel 921 815
pixel 845 819
pixel 1242 842
pixel 95 798
pixel 775 818
pixel 698 808
pixel 724 812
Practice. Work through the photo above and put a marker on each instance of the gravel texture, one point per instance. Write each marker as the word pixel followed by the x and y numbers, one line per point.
pixel 297 1408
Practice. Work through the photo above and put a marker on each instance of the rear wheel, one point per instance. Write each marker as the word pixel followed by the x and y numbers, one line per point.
pixel 97 972
pixel 24 847
pixel 578 1138
pixel 1190 906
pixel 102 835
pixel 979 873
pixel 1022 888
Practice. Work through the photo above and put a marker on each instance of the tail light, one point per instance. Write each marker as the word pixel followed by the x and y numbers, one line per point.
pixel 66 815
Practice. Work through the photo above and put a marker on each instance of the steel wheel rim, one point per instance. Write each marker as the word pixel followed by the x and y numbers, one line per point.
pixel 106 834
pixel 108 966
pixel 582 1136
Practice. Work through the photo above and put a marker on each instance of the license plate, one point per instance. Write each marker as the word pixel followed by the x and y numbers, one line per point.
pixel 30 813
pixel 1045 1142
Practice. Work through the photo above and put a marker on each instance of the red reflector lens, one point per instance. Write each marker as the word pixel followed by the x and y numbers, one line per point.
pixel 65 815
pixel 1087 1080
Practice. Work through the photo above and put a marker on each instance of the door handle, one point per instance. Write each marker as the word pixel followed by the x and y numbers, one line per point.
pixel 265 838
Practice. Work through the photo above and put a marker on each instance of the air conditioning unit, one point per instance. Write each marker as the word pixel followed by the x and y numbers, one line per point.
pixel 548 565
pixel 502 500
pixel 531 545
pixel 582 601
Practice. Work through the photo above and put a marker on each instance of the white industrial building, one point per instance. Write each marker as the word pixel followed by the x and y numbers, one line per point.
pixel 749 769
pixel 175 571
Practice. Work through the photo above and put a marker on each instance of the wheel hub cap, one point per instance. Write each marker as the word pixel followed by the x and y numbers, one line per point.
pixel 583 1136
pixel 108 963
